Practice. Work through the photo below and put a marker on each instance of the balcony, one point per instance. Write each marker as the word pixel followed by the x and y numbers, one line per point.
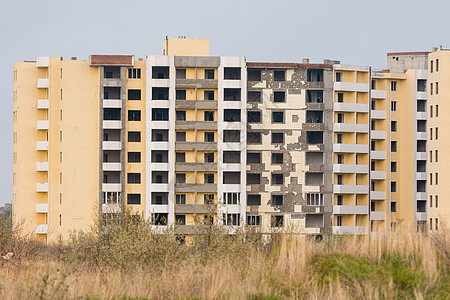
pixel 195 125
pixel 112 166
pixel 42 125
pixel 377 134
pixel 377 195
pixel 378 155
pixel 196 187
pixel 42 208
pixel 189 167
pixel 110 124
pixel 111 187
pixel 350 189
pixel 351 86
pixel 377 175
pixel 42 166
pixel 43 104
pixel 351 148
pixel 378 94
pixel 378 114
pixel 344 168
pixel 43 62
pixel 112 145
pixel 111 208
pixel 42 187
pixel 349 127
pixel 193 104
pixel 43 83
pixel 191 209
pixel 350 209
pixel 42 146
pixel 112 103
pixel 42 229
pixel 199 146
pixel 359 230
pixel 421 216
pixel 377 215
pixel 351 107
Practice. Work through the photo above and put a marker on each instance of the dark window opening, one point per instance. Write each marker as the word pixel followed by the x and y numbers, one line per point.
pixel 160 156
pixel 314 158
pixel 112 72
pixel 279 75
pixel 253 200
pixel 253 178
pixel 314 96
pixel 134 94
pixel 180 115
pixel 208 137
pixel 180 95
pixel 111 93
pixel 208 178
pixel 134 115
pixel 180 178
pixel 277 221
pixel 160 135
pixel 134 136
pixel 208 95
pixel 134 157
pixel 208 157
pixel 232 94
pixel 231 157
pixel 209 73
pixel 254 137
pixel 160 177
pixel 232 115
pixel 277 158
pixel 232 73
pixel 231 177
pixel 277 200
pixel 180 136
pixel 160 93
pixel 160 114
pixel 253 158
pixel 180 73
pixel 180 157
pixel 314 137
pixel 314 178
pixel 231 136
pixel 253 75
pixel 134 178
pixel 254 116
pixel 277 137
pixel 160 72
pixel 208 116
pixel 315 75
pixel 254 96
pixel 160 219
pixel 134 199
pixel 277 117
pixel 111 114
pixel 277 179
pixel 279 96
pixel 314 116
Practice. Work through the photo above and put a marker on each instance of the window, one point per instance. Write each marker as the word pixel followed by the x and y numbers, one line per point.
pixel 180 198
pixel 232 219
pixel 277 200
pixel 134 157
pixel 431 133
pixel 393 206
pixel 437 88
pixel 134 115
pixel 134 73
pixel 253 220
pixel 253 96
pixel 277 179
pixel 231 157
pixel 253 158
pixel 437 110
pixel 437 178
pixel 180 73
pixel 315 199
pixel 372 166
pixel 393 166
pixel 436 156
pixel 160 93
pixel 393 186
pixel 437 65
pixel 373 85
pixel 436 201
pixel 340 97
pixel 340 200
pixel 231 136
pixel 253 178
pixel 340 158
pixel 340 118
pixel 340 179
pixel 339 221
pixel 372 105
pixel 208 116
pixel 232 94
pixel 231 73
pixel 208 95
pixel 180 219
pixel 279 75
pixel 160 72
pixel 394 126
pixel 180 95
pixel 338 76
pixel 208 178
pixel 277 137
pixel 134 198
pixel 277 158
pixel 431 88
pixel 160 219
pixel 180 157
pixel 431 201
pixel 431 223
pixel 431 66
pixel 209 157
pixel 208 198
pixel 277 117
pixel 279 96
pixel 134 136
pixel 160 114
pixel 393 86
pixel 134 94
pixel 253 75
pixel 253 200
pixel 232 198
pixel 134 178
pixel 431 156
pixel 436 223
pixel 209 73
pixel 209 137
pixel 437 132
pixel 232 115
pixel 393 146
pixel 180 136
pixel 180 115
pixel 339 138
pixel 254 116
pixel 393 105
pixel 277 221
pixel 254 137
pixel 372 125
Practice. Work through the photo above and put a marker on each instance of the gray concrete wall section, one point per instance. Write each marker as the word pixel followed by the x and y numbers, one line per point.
pixel 295 127
pixel 398 63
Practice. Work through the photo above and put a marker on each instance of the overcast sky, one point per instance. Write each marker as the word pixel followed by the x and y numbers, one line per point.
pixel 353 31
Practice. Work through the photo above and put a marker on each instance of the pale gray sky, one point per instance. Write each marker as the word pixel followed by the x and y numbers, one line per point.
pixel 352 31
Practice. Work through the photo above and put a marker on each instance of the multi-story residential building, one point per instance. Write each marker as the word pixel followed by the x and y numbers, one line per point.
pixel 186 138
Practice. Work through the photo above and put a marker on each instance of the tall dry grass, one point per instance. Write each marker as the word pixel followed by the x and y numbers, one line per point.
pixel 125 259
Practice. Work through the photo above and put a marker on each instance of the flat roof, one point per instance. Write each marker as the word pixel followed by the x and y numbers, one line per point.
pixel 408 53
pixel 287 65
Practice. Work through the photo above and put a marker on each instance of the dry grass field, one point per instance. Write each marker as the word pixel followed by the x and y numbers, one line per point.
pixel 124 259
